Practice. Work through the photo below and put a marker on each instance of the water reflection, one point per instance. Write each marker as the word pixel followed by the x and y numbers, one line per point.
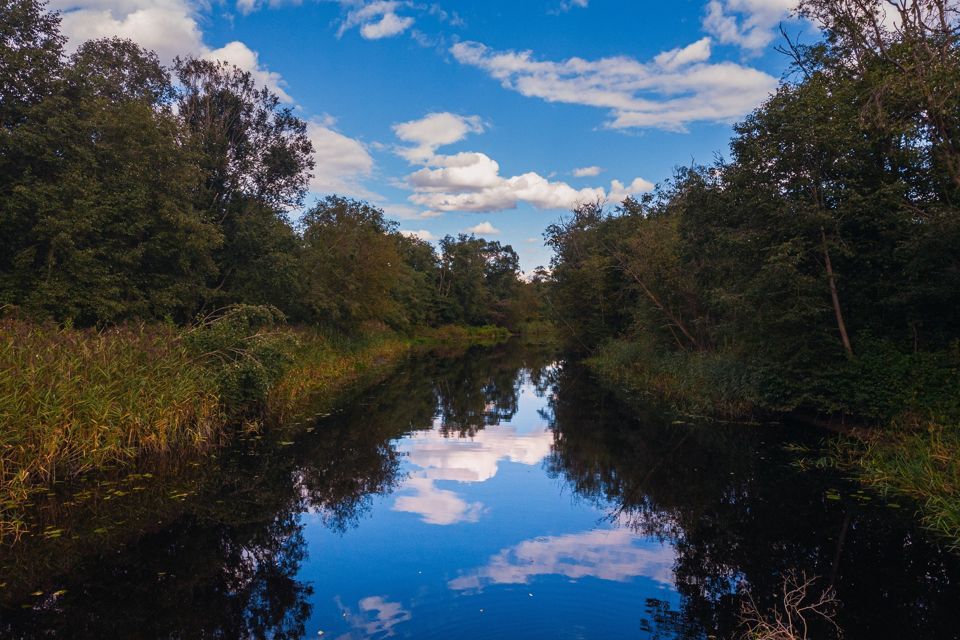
pixel 729 502
pixel 488 495
pixel 376 618
pixel 437 456
pixel 617 555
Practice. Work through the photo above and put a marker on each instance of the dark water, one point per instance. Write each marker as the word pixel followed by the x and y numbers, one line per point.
pixel 496 494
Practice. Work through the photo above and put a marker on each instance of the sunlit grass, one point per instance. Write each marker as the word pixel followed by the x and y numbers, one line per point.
pixel 74 402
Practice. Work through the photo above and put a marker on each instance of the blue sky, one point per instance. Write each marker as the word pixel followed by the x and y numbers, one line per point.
pixel 497 115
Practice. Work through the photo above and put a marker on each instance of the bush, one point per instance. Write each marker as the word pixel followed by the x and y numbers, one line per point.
pixel 246 353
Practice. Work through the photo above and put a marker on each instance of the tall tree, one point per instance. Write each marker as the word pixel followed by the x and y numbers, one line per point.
pixel 255 160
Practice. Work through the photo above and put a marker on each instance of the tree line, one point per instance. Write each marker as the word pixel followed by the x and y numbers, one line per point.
pixel 818 265
pixel 130 191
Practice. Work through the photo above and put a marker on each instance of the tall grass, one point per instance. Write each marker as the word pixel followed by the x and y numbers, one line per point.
pixel 72 401
pixel 325 364
pixel 923 463
pixel 707 384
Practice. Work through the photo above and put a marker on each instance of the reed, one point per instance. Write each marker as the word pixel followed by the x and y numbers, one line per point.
pixel 72 401
pixel 920 461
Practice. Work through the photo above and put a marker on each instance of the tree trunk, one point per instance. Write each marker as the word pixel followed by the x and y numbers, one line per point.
pixel 831 276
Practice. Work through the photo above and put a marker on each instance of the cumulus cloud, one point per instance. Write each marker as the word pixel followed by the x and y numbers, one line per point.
pixel 377 19
pixel 484 228
pixel 676 88
pixel 435 505
pixel 242 56
pixel 748 24
pixel 471 182
pixel 433 131
pixel 341 162
pixel 587 172
pixel 420 234
pixel 616 556
pixel 168 27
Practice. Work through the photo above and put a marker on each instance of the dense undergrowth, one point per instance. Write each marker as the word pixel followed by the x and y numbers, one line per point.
pixel 80 401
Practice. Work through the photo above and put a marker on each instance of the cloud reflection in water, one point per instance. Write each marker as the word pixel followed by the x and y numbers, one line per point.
pixel 475 459
pixel 616 555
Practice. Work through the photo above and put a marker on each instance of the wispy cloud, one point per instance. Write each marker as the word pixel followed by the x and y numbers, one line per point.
pixel 676 88
pixel 566 5
pixel 376 20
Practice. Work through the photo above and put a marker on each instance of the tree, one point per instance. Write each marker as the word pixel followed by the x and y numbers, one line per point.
pixel 255 159
pixel 477 281
pixel 352 264
pixel 31 50
pixel 105 225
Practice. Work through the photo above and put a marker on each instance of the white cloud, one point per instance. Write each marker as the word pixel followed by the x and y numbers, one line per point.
pixel 420 234
pixel 567 5
pixel 484 228
pixel 376 20
pixel 389 25
pixel 242 56
pixel 675 89
pixel 433 131
pixel 376 617
pixel 168 27
pixel 587 172
pixel 746 23
pixel 249 6
pixel 405 212
pixel 619 191
pixel 341 162
pixel 616 556
pixel 471 181
pixel 435 505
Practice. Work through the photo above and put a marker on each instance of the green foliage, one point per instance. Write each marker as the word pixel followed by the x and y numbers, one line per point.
pixel 131 192
pixel 815 271
pixel 246 354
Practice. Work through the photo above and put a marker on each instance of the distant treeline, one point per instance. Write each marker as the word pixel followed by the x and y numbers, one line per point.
pixel 129 191
pixel 819 266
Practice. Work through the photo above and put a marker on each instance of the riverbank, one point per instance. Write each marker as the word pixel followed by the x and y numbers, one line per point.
pixel 79 402
pixel 900 435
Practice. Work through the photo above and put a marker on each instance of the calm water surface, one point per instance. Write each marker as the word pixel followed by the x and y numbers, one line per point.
pixel 495 494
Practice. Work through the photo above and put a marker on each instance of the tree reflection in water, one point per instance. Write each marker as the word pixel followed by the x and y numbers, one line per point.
pixel 213 549
pixel 737 512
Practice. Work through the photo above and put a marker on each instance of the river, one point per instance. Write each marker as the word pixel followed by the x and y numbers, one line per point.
pixel 497 493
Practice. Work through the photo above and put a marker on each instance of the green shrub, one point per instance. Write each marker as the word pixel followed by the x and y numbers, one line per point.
pixel 246 352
